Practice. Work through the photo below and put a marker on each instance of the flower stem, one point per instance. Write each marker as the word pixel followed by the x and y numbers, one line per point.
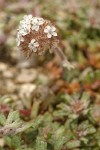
pixel 64 61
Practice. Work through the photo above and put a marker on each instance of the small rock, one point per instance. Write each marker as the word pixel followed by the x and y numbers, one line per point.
pixel 10 86
pixel 3 67
pixel 26 76
pixel 2 142
pixel 8 74
pixel 25 90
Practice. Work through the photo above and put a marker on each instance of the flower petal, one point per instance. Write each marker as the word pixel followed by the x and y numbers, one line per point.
pixel 30 16
pixel 34 20
pixel 46 30
pixel 22 39
pixel 33 40
pixel 54 34
pixel 53 28
pixel 36 44
pixel 35 27
pixel 34 49
pixel 17 41
pixel 41 21
pixel 48 27
pixel 49 35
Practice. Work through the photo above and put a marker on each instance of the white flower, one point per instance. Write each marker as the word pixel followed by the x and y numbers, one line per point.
pixel 19 39
pixel 25 25
pixel 24 29
pixel 36 21
pixel 50 30
pixel 27 19
pixel 33 45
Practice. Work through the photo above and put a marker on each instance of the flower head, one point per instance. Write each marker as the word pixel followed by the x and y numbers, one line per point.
pixel 36 35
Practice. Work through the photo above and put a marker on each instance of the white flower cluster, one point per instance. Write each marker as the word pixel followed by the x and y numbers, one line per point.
pixel 33 23
pixel 24 28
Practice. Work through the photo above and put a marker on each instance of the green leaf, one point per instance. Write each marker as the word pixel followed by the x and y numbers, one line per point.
pixel 16 141
pixel 37 122
pixel 73 144
pixel 59 142
pixel 13 116
pixel 1 148
pixel 2 119
pixel 41 144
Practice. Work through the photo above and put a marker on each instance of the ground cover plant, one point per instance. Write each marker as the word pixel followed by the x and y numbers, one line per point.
pixel 44 106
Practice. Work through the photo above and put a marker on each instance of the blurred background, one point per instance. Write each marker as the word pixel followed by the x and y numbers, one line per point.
pixel 78 25
pixel 67 101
